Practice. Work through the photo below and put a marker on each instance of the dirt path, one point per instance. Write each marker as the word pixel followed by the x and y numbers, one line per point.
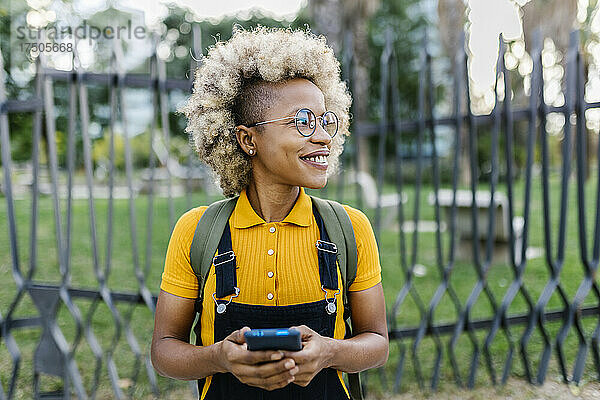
pixel 514 389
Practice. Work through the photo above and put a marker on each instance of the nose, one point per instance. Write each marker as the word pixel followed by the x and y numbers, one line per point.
pixel 321 136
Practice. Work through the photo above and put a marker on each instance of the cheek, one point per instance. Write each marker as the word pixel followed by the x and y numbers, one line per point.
pixel 275 153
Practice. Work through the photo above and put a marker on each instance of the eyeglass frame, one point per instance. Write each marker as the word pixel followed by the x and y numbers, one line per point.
pixel 295 118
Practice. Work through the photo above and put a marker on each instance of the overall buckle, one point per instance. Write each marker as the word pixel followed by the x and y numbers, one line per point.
pixel 222 307
pixel 228 256
pixel 331 308
pixel 324 246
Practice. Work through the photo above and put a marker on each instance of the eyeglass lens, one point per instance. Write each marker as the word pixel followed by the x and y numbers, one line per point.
pixel 306 122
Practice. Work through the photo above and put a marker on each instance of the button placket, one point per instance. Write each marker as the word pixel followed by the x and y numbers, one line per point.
pixel 271 262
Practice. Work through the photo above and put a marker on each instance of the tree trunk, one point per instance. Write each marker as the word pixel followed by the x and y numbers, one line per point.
pixel 325 15
pixel 555 19
pixel 331 18
pixel 451 23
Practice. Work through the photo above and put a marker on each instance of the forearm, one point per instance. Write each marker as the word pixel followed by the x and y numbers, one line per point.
pixel 177 359
pixel 361 352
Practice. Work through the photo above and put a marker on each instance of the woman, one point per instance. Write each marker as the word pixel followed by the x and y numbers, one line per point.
pixel 268 114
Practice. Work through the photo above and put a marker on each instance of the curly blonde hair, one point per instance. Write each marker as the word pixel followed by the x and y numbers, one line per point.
pixel 261 54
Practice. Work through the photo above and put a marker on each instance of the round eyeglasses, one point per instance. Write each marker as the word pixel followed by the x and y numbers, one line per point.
pixel 306 122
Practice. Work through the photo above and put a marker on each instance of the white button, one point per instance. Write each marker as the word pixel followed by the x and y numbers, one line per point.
pixel 270 252
pixel 270 296
pixel 270 274
pixel 272 229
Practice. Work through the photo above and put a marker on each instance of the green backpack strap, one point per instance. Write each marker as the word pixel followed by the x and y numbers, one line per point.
pixel 206 239
pixel 340 231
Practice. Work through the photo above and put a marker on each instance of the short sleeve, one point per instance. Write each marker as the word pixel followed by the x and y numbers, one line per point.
pixel 178 278
pixel 368 272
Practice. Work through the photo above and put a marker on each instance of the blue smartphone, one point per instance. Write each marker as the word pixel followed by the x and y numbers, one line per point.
pixel 273 339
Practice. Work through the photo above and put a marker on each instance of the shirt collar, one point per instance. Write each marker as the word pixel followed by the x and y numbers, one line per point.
pixel 244 216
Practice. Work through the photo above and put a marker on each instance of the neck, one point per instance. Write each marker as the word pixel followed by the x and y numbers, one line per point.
pixel 272 202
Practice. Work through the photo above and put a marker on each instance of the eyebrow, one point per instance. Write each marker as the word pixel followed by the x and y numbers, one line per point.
pixel 293 111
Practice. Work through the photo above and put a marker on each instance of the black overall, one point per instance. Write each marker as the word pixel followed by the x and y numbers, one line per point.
pixel 325 385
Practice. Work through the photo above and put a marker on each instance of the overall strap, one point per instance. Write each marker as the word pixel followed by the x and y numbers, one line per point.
pixel 339 227
pixel 207 237
pixel 327 252
pixel 225 266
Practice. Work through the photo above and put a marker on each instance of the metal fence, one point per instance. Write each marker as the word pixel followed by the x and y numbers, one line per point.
pixel 64 315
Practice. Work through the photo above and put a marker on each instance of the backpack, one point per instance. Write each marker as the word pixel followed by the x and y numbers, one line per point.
pixel 339 228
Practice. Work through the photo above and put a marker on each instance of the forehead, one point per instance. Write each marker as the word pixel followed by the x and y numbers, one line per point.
pixel 295 94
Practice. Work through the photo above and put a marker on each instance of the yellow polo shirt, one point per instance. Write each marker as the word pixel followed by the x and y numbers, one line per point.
pixel 277 262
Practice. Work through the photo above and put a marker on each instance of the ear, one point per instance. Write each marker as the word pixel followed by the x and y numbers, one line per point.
pixel 245 138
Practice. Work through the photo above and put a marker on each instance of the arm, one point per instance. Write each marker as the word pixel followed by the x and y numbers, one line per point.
pixel 171 354
pixel 368 348
pixel 174 357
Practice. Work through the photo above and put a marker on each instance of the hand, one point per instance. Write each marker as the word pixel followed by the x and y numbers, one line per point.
pixel 268 370
pixel 314 356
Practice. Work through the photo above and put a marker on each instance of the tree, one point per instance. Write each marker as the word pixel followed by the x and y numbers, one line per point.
pixel 329 17
pixel 554 18
pixel 452 18
pixel 365 23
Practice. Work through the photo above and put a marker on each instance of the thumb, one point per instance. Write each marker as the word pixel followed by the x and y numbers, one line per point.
pixel 238 336
pixel 304 330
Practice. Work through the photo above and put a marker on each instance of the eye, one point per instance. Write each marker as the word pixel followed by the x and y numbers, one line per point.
pixel 328 119
pixel 303 121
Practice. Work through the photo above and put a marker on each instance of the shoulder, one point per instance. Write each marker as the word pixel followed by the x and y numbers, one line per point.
pixel 190 218
pixel 368 272
pixel 186 224
pixel 360 223
pixel 359 220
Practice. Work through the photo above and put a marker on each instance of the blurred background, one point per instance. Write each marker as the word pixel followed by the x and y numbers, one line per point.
pixel 474 152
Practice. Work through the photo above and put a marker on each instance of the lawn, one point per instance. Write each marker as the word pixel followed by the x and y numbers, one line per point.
pixel 153 240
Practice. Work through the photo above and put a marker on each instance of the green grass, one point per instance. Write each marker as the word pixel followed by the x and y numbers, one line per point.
pixel 121 277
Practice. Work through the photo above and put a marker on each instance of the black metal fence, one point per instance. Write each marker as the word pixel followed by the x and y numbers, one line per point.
pixel 93 324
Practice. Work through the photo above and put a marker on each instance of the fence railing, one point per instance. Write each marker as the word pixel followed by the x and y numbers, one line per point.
pixel 439 325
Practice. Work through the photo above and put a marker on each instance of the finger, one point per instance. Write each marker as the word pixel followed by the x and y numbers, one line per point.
pixel 303 377
pixel 285 367
pixel 271 377
pixel 257 357
pixel 297 356
pixel 272 383
pixel 301 356
pixel 303 383
pixel 239 353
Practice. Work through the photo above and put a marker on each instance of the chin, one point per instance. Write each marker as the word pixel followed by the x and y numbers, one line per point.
pixel 316 184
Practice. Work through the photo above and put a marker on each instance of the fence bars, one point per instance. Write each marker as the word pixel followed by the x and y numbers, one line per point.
pixel 537 315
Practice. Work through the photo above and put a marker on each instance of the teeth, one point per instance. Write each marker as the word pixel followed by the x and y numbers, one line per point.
pixel 317 159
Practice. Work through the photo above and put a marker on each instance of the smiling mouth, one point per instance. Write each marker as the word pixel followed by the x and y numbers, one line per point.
pixel 319 162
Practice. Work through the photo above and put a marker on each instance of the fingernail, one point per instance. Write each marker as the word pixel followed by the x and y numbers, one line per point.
pixel 294 371
pixel 289 364
pixel 291 379
pixel 276 356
